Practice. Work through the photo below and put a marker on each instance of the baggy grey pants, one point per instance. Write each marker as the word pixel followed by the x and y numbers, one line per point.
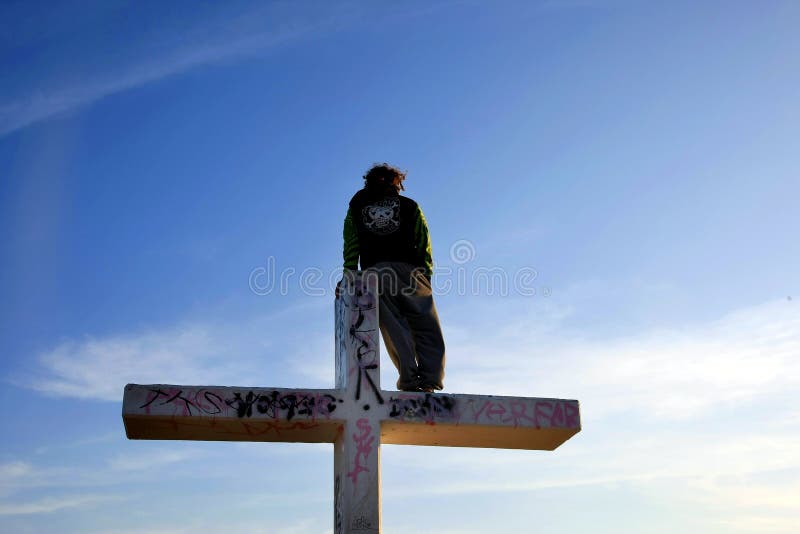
pixel 410 325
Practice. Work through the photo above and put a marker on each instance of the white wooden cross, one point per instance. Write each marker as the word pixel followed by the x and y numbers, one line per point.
pixel 357 416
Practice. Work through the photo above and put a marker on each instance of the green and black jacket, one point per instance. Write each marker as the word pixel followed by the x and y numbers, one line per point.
pixel 380 227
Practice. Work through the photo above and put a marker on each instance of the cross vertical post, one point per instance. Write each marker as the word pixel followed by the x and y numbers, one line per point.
pixel 357 500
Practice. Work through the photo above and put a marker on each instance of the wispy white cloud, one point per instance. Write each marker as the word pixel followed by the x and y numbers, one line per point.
pixel 154 459
pixel 99 368
pixel 707 461
pixel 17 475
pixel 106 438
pixel 102 469
pixel 189 526
pixel 50 505
pixel 210 42
pixel 694 413
pixel 14 470
pixel 231 37
pixel 244 353
pixel 20 475
pixel 44 103
pixel 671 373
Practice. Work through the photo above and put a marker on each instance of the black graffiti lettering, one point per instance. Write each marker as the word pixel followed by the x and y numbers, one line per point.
pixel 364 353
pixel 269 405
pixel 273 404
pixel 158 393
pixel 243 407
pixel 214 400
pixel 171 398
pixel 283 406
pixel 429 407
pixel 293 405
pixel 328 403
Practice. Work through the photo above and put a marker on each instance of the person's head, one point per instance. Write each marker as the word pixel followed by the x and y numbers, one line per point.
pixel 384 178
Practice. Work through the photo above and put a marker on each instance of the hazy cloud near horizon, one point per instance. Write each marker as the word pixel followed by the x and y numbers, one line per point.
pixel 670 373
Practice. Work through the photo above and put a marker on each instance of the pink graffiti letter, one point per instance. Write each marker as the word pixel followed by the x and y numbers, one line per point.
pixel 363 442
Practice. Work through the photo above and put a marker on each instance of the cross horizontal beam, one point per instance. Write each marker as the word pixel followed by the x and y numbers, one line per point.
pixel 317 415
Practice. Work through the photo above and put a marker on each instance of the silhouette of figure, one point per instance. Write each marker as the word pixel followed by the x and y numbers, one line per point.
pixel 388 234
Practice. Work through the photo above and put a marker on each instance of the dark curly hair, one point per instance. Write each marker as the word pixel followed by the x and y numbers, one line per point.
pixel 381 177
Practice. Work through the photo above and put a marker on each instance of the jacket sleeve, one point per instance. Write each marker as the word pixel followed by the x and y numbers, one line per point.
pixel 351 249
pixel 422 240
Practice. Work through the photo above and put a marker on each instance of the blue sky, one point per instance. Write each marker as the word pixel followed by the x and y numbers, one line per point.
pixel 640 157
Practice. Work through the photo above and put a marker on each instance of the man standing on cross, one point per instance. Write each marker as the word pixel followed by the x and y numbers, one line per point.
pixel 388 233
